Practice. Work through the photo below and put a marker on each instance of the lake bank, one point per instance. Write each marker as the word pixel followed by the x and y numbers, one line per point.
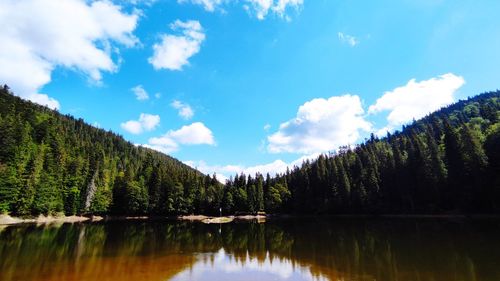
pixel 223 219
pixel 10 220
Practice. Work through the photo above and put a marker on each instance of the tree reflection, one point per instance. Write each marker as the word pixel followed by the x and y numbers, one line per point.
pixel 340 249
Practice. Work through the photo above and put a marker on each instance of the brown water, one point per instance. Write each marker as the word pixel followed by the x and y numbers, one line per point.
pixel 291 249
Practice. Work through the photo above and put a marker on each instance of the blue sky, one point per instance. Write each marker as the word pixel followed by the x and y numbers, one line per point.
pixel 249 85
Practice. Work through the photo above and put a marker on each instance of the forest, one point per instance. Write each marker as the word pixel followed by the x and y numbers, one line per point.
pixel 445 163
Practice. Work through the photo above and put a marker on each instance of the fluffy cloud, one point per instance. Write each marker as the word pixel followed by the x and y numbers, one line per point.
pixel 184 110
pixel 208 5
pixel 416 99
pixel 140 93
pixel 142 2
pixel 348 39
pixel 224 172
pixel 146 122
pixel 194 134
pixel 174 51
pixel 39 35
pixel 258 8
pixel 321 125
pixel 261 8
pixel 281 6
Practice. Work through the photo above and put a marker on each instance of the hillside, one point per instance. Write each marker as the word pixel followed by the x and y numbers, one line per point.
pixel 52 163
pixel 447 162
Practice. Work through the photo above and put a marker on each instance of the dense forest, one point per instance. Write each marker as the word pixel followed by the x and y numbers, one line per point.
pixel 52 163
pixel 447 162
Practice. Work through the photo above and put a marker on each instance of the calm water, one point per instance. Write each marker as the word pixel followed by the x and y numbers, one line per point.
pixel 305 249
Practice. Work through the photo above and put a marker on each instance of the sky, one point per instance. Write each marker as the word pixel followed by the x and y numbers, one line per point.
pixel 230 86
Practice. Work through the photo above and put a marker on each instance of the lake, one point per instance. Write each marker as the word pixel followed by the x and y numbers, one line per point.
pixel 280 249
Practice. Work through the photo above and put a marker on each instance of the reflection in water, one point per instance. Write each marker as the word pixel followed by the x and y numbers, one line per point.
pixel 305 249
pixel 223 266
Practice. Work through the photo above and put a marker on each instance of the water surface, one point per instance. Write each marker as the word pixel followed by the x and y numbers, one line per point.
pixel 287 249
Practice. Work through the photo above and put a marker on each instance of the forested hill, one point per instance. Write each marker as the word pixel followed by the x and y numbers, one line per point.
pixel 447 162
pixel 52 163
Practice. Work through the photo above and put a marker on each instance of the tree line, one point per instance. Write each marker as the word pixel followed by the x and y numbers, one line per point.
pixel 52 163
pixel 447 162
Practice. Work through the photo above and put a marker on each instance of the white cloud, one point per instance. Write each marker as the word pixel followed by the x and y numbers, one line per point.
pixel 141 2
pixel 348 39
pixel 158 95
pixel 261 8
pixel 42 99
pixel 146 122
pixel 184 110
pixel 208 5
pixel 281 6
pixel 223 172
pixel 174 51
pixel 194 134
pixel 321 125
pixel 416 99
pixel 258 8
pixel 140 93
pixel 267 127
pixel 38 36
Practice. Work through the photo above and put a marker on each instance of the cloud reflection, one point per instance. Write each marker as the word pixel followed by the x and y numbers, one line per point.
pixel 224 266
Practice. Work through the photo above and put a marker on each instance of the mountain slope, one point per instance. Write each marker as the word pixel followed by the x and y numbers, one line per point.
pixel 51 163
pixel 447 162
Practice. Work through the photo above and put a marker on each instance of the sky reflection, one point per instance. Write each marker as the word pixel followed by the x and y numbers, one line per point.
pixel 223 266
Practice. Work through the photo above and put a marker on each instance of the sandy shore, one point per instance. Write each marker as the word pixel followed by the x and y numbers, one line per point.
pixel 193 218
pixel 7 220
pixel 223 219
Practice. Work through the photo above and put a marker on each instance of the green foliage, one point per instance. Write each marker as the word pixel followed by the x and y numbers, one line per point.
pixel 448 161
pixel 50 163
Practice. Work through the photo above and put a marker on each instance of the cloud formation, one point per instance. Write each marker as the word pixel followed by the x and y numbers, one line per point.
pixel 258 8
pixel 208 5
pixel 184 110
pixel 38 36
pixel 140 93
pixel 174 51
pixel 146 123
pixel 223 172
pixel 416 99
pixel 348 39
pixel 194 134
pixel 321 125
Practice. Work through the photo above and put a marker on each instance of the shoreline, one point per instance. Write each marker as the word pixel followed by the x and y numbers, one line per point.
pixel 9 220
pixel 6 220
pixel 222 219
